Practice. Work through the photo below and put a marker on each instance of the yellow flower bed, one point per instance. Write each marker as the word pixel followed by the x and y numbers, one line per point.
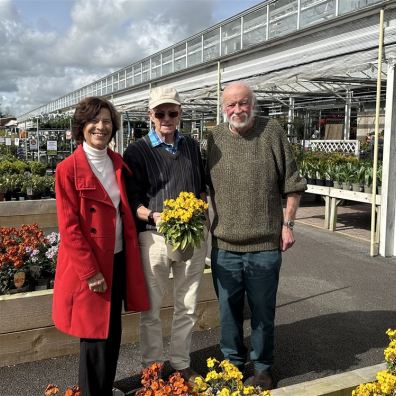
pixel 386 379
pixel 224 379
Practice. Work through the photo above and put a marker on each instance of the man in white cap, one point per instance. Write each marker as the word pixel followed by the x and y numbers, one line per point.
pixel 165 163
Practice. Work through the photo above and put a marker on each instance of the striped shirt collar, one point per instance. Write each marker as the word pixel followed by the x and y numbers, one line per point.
pixel 156 141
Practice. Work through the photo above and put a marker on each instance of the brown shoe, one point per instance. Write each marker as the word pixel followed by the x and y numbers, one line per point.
pixel 189 375
pixel 261 378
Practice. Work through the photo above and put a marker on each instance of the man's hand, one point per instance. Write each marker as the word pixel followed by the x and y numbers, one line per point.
pixel 97 283
pixel 287 238
pixel 156 217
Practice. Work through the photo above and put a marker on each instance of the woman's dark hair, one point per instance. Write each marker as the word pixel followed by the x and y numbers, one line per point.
pixel 86 111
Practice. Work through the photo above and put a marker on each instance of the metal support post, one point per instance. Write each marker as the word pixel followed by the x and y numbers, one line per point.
pixel 71 140
pixel 202 126
pixel 38 141
pixel 290 117
pixel 373 243
pixel 347 120
pixel 26 142
pixel 298 14
pixel 218 92
pixel 387 245
pixel 120 136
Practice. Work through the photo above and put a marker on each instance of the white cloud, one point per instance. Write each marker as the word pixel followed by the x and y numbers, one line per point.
pixel 104 35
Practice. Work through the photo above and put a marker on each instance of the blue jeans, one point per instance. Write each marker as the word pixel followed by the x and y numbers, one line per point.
pixel 257 275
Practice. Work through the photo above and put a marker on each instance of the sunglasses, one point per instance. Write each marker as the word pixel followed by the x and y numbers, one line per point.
pixel 161 115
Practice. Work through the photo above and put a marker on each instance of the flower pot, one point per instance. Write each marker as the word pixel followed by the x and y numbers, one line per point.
pixel 338 184
pixel 329 183
pixel 368 189
pixel 179 254
pixel 356 187
pixel 311 181
pixel 41 284
pixel 23 289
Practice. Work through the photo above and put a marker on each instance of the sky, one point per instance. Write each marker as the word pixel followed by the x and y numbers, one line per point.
pixel 49 48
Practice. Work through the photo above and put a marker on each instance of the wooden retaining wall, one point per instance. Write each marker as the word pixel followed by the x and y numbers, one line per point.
pixel 16 213
pixel 28 334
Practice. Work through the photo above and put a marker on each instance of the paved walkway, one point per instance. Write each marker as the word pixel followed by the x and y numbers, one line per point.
pixel 334 305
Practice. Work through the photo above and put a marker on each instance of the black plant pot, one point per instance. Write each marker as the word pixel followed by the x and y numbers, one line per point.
pixel 329 183
pixel 311 181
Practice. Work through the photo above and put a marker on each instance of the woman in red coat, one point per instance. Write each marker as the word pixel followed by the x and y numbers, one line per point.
pixel 98 262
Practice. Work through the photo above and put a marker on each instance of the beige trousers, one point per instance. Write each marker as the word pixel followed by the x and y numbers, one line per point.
pixel 186 280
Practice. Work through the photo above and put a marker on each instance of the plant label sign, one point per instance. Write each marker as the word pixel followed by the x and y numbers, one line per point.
pixel 52 147
pixel 33 144
pixel 19 279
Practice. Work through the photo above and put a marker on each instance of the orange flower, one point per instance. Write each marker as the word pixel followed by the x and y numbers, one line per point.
pixel 167 389
pixel 75 391
pixel 51 390
pixel 154 385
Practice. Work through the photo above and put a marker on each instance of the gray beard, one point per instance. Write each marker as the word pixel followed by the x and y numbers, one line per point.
pixel 239 125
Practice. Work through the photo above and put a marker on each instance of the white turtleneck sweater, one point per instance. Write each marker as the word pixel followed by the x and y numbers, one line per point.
pixel 102 167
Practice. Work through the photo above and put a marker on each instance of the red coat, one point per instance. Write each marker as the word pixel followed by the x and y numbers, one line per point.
pixel 86 221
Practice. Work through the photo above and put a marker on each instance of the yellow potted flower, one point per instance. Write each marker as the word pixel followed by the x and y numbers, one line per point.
pixel 182 224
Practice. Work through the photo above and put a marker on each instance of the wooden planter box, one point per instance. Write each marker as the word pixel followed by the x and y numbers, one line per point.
pixel 28 334
pixel 16 213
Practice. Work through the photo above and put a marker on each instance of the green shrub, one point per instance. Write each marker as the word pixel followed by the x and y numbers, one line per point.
pixel 37 168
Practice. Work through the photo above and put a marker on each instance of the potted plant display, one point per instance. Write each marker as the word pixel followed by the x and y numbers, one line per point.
pixel 311 172
pixel 331 174
pixel 26 255
pixel 368 179
pixel 358 178
pixel 379 180
pixel 338 177
pixel 321 172
pixel 41 261
pixel 3 187
pixel 347 175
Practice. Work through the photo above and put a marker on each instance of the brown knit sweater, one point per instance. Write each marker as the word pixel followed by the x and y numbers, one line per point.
pixel 248 176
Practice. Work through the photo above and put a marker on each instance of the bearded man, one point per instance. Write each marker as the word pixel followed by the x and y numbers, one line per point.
pixel 250 166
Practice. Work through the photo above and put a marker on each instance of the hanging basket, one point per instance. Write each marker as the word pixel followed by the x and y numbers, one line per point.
pixel 179 254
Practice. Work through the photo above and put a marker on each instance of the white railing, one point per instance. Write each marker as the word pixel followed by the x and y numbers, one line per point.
pixel 330 146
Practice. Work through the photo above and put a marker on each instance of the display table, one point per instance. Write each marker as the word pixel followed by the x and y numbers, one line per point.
pixel 333 196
